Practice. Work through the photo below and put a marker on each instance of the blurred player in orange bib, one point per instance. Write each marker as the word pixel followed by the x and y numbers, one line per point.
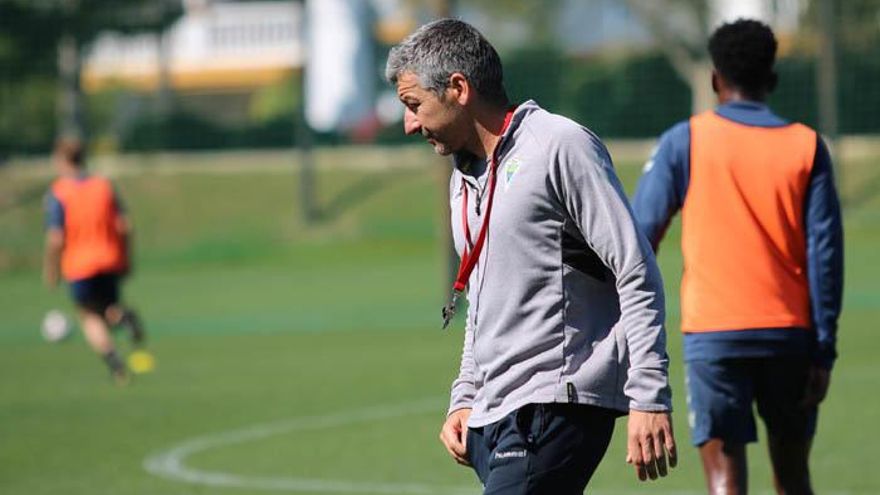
pixel 87 243
pixel 762 243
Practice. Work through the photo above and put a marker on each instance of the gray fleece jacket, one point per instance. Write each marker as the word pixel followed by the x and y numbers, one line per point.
pixel 566 303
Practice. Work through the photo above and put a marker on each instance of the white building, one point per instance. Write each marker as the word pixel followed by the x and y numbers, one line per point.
pixel 213 46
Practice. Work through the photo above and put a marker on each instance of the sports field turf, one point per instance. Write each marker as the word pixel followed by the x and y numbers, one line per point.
pixel 296 359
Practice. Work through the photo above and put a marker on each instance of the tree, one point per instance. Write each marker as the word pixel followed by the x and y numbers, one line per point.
pixel 36 32
pixel 537 16
pixel 681 28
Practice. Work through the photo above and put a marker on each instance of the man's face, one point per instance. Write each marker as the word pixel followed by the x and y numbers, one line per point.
pixel 438 120
pixel 62 164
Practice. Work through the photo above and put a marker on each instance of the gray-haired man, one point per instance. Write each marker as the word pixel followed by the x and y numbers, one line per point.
pixel 565 317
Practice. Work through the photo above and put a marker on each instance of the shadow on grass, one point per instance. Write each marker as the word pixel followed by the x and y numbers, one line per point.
pixel 353 195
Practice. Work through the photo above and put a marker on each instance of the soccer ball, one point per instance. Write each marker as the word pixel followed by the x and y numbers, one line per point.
pixel 56 326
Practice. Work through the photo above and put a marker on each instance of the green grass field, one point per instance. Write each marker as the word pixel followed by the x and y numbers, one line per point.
pixel 308 359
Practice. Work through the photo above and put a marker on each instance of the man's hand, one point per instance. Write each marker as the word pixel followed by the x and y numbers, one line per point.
pixel 649 440
pixel 817 386
pixel 454 435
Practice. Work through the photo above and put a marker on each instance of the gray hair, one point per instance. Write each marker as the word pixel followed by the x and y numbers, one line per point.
pixel 438 49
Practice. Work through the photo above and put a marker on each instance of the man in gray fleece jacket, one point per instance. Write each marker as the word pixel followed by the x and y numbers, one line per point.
pixel 565 315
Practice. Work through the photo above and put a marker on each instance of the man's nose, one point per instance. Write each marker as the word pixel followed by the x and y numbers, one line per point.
pixel 411 124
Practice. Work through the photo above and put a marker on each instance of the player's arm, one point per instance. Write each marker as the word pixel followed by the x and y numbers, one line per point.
pixel 463 389
pixel 52 256
pixel 662 187
pixel 54 240
pixel 453 433
pixel 824 234
pixel 585 183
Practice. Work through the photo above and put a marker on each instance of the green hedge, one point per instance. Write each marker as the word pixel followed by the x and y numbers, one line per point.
pixel 634 96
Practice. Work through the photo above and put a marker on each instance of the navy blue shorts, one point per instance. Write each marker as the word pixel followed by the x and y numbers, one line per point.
pixel 96 293
pixel 721 393
pixel 541 449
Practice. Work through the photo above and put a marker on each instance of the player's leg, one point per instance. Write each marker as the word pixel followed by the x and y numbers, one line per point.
pixel 479 450
pixel 97 334
pixel 118 314
pixel 720 395
pixel 92 300
pixel 121 315
pixel 790 426
pixel 547 448
pixel 570 441
pixel 725 467
pixel 791 469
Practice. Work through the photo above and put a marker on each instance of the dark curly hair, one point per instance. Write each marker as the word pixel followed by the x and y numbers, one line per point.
pixel 743 53
pixel 71 150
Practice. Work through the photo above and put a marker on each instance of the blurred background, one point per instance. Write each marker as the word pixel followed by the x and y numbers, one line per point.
pixel 291 243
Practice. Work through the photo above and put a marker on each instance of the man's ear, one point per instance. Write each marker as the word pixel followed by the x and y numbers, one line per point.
pixel 459 89
pixel 716 86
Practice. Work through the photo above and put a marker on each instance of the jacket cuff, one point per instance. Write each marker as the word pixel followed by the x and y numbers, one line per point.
pixel 461 400
pixel 648 407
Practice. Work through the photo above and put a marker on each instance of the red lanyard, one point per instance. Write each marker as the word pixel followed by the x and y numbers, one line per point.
pixel 471 254
pixel 472 250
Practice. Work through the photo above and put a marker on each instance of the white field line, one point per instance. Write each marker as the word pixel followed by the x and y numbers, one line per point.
pixel 171 463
